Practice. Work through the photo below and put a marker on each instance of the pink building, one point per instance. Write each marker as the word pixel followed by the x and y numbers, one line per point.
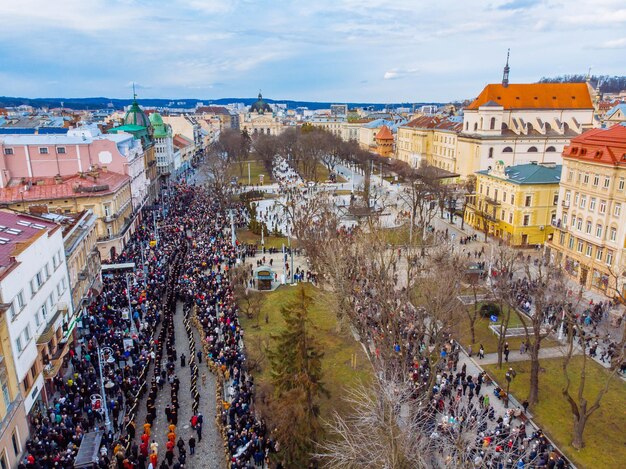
pixel 80 151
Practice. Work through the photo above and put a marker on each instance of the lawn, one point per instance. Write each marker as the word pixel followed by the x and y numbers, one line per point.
pixel 256 168
pixel 399 236
pixel 248 237
pixel 338 348
pixel 486 337
pixel 323 175
pixel 605 434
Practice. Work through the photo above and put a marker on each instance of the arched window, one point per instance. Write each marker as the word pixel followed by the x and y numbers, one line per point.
pixel 467 126
pixel 475 126
pixel 507 150
pixel 492 126
pixel 550 149
pixel 532 150
pixel 504 126
pixel 481 124
pixel 490 152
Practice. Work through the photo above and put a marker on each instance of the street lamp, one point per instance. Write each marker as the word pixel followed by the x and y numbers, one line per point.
pixel 100 352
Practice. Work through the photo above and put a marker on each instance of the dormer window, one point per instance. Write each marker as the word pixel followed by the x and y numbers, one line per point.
pixel 574 151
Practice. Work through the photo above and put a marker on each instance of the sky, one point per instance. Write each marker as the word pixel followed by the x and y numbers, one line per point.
pixel 319 50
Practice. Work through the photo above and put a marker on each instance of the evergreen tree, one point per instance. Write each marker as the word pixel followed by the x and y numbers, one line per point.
pixel 296 373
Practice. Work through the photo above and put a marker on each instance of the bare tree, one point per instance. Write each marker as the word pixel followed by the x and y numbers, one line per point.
pixel 469 188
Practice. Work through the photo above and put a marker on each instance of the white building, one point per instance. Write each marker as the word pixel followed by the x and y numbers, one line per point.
pixel 35 291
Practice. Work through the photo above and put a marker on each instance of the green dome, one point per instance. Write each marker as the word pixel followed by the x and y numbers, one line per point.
pixel 156 119
pixel 135 116
pixel 260 106
pixel 159 129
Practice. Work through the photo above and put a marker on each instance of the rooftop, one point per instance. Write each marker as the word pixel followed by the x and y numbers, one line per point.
pixel 41 189
pixel 535 96
pixel 180 141
pixel 17 231
pixel 530 173
pixel 602 146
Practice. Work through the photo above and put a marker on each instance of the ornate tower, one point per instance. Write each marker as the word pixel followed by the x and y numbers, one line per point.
pixel 505 75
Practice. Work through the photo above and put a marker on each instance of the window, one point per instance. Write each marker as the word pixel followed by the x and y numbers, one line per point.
pixel 603 206
pixel 596 180
pixel 579 224
pixel 609 257
pixel 8 151
pixel 18 343
pixel 592 204
pixel 44 311
pixel 512 199
pixel 562 239
pixel 573 221
pixel 568 196
pixel 588 227
pixel 507 150
pixel 488 191
pixel 607 182
pixel 612 234
pixel 583 201
pixel 579 246
pixel 565 219
pixel 570 176
pixel 550 149
pixel 527 201
pixel 598 231
pixel 15 440
pixel 27 333
pixel 620 184
pixel 107 210
pixel 12 311
pixel 532 150
pixel 576 199
pixel 511 217
pixel 571 242
pixel 492 124
pixel 589 250
pixel 43 150
pixel 617 210
pixel 526 220
pixel 586 179
pixel 490 152
pixel 37 319
pixel 599 253
pixel 61 150
pixel 20 300
pixel 46 269
pixel 555 199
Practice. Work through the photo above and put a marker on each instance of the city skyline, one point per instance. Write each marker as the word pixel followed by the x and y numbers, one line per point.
pixel 327 51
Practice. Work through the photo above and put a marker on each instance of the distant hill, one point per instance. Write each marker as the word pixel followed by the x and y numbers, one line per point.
pixel 608 84
pixel 102 102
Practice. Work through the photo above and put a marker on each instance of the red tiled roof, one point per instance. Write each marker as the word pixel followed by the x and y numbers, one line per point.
pixel 603 146
pixel 435 122
pixel 212 110
pixel 536 96
pixel 384 133
pixel 180 141
pixel 70 187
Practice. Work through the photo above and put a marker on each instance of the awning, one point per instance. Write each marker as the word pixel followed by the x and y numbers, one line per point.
pixel 89 450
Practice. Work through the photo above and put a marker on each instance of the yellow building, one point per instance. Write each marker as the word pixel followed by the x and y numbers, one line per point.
pixel 105 193
pixel 590 241
pixel 14 425
pixel 517 204
pixel 430 139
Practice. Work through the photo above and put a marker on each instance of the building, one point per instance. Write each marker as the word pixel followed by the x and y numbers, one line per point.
pixel 590 238
pixel 82 258
pixel 106 194
pixel 384 141
pixel 163 145
pixel 227 118
pixel 522 123
pixel 517 204
pixel 13 422
pixel 36 302
pixel 616 115
pixel 260 119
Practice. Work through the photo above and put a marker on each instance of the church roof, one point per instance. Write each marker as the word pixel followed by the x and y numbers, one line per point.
pixel 136 116
pixel 536 96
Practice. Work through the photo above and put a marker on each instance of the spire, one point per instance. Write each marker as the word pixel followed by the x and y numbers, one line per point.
pixel 134 94
pixel 505 75
pixel 260 95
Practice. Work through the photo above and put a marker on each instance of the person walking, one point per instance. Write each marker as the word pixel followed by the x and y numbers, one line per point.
pixel 192 445
pixel 481 352
pixel 182 360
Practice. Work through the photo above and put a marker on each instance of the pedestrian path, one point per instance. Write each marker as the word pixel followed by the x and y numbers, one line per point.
pixel 516 356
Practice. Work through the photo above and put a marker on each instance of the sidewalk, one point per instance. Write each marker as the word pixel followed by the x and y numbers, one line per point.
pixel 515 356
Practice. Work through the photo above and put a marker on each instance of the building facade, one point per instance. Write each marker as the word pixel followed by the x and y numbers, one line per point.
pixel 590 238
pixel 36 299
pixel 522 123
pixel 517 204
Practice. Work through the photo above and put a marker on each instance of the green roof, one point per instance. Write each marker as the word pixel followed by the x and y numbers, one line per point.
pixel 131 128
pixel 529 174
pixel 136 116
pixel 159 130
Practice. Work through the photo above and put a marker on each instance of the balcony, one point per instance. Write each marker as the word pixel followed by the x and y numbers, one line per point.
pixel 51 369
pixel 565 203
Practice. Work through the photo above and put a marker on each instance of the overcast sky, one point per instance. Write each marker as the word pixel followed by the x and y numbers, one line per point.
pixel 325 50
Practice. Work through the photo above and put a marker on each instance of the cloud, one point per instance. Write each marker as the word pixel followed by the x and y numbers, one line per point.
pixel 397 73
pixel 613 44
pixel 519 4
